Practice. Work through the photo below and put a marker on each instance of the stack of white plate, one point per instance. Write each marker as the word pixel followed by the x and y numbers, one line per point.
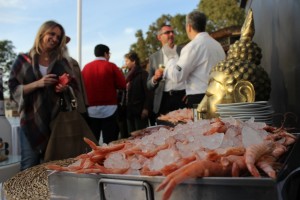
pixel 261 111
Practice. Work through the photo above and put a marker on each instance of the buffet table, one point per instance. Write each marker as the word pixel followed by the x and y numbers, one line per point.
pixel 39 183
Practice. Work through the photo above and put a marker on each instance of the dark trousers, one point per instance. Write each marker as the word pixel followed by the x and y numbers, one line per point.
pixel 152 118
pixel 108 126
pixel 122 121
pixel 194 99
pixel 136 123
pixel 172 100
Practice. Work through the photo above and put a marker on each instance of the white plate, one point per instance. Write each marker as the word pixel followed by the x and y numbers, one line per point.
pixel 257 113
pixel 249 117
pixel 247 104
pixel 267 121
pixel 245 109
pixel 243 103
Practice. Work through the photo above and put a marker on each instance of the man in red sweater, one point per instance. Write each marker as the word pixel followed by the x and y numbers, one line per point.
pixel 102 79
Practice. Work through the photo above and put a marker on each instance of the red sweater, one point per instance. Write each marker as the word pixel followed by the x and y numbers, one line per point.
pixel 102 79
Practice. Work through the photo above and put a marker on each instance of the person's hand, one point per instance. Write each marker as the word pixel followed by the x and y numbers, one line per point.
pixel 63 82
pixel 144 114
pixel 158 75
pixel 47 80
pixel 64 79
pixel 60 87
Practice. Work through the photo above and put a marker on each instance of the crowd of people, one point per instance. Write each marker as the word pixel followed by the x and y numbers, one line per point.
pixel 114 102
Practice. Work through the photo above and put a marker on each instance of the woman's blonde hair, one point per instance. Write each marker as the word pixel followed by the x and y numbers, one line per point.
pixel 57 52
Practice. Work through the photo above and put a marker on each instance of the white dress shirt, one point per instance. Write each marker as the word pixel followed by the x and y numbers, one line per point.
pixel 195 62
pixel 170 84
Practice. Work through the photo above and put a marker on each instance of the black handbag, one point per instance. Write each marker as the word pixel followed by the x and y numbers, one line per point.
pixel 67 132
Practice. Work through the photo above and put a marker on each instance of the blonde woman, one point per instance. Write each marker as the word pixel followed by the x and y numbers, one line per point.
pixel 34 86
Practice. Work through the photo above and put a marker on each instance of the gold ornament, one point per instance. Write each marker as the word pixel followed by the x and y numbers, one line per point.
pixel 238 78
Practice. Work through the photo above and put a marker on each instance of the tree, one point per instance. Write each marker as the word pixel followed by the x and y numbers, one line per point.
pixel 7 54
pixel 178 22
pixel 7 57
pixel 140 47
pixel 222 13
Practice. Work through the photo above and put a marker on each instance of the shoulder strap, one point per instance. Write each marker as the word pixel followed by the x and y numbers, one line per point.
pixel 67 100
pixel 73 98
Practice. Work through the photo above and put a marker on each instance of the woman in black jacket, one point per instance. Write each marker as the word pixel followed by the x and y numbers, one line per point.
pixel 138 98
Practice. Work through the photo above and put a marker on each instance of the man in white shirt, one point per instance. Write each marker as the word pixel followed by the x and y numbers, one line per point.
pixel 196 59
pixel 168 95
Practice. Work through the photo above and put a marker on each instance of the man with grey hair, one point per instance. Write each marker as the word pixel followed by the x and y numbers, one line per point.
pixel 168 95
pixel 196 60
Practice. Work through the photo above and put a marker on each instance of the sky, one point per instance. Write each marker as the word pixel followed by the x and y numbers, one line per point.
pixel 111 22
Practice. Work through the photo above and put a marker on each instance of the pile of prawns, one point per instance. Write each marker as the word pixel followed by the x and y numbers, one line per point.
pixel 235 161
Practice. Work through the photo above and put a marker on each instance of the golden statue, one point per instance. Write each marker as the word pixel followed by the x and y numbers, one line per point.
pixel 238 78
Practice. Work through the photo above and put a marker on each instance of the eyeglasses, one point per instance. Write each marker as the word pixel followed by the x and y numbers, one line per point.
pixel 168 32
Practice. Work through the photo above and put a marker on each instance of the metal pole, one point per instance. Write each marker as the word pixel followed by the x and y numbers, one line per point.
pixel 79 18
pixel 2 110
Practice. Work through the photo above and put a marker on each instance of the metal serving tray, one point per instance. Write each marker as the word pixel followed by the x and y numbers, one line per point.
pixel 68 185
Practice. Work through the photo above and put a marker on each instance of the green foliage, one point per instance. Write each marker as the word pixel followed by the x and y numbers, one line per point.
pixel 7 54
pixel 178 23
pixel 140 47
pixel 7 57
pixel 222 13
